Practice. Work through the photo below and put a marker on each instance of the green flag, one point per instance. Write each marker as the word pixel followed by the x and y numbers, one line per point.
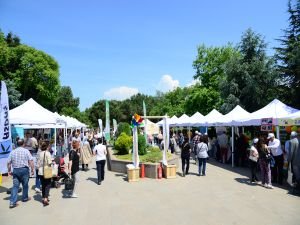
pixel 107 123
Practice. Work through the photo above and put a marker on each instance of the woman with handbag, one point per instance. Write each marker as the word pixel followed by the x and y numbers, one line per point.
pixel 44 162
pixel 253 158
pixel 264 162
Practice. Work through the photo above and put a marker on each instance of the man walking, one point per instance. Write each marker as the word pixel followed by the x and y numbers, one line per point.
pixel 294 158
pixel 20 159
pixel 275 147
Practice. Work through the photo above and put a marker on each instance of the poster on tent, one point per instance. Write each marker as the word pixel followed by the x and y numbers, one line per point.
pixel 266 124
pixel 5 130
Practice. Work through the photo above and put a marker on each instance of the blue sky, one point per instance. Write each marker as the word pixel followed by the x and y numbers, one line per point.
pixel 112 49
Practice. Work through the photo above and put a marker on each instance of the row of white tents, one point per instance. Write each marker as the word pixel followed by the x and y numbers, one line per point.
pixel 32 115
pixel 280 113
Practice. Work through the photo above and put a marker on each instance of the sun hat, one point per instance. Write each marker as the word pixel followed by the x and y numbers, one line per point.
pixel 255 140
pixel 271 135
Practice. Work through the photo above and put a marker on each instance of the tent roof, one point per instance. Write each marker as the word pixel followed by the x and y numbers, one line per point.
pixel 210 118
pixel 31 112
pixel 230 119
pixel 295 115
pixel 184 120
pixel 275 109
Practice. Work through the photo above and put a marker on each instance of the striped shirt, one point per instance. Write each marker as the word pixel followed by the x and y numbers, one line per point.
pixel 19 158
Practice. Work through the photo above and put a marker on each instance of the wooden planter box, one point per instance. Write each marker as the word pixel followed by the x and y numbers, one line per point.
pixel 170 171
pixel 133 174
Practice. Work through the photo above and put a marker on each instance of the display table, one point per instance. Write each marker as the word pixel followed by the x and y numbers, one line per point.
pixel 133 174
pixel 170 171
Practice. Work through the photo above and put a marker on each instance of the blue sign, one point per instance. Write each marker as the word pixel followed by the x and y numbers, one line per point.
pixel 5 149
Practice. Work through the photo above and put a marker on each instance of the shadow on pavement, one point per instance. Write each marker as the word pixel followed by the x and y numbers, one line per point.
pixel 124 176
pixel 95 180
pixel 246 181
pixel 3 189
pixel 37 197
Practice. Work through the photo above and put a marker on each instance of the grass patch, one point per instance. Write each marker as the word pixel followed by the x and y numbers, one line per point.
pixel 154 155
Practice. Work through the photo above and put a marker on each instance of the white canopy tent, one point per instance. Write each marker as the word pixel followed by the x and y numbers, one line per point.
pixel 232 118
pixel 31 113
pixel 275 109
pixel 210 119
pixel 182 121
pixel 171 121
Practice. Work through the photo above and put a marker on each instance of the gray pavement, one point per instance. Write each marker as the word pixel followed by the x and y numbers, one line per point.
pixel 222 197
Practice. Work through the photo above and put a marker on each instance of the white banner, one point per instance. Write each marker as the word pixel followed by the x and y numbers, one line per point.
pixel 166 132
pixel 100 126
pixel 135 152
pixel 5 129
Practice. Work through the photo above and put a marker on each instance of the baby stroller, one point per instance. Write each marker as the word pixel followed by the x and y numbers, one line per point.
pixel 61 174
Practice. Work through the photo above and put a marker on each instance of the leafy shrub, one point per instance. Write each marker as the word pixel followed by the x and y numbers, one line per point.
pixel 142 145
pixel 153 149
pixel 124 128
pixel 123 144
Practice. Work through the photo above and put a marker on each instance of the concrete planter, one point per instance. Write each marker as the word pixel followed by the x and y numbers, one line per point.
pixel 119 166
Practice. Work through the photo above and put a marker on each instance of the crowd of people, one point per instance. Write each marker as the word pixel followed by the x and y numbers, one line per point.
pixel 34 157
pixel 264 153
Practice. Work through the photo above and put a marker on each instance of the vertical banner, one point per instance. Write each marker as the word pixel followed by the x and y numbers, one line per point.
pixel 135 153
pixel 107 122
pixel 115 124
pixel 5 130
pixel 100 127
pixel 166 140
pixel 145 127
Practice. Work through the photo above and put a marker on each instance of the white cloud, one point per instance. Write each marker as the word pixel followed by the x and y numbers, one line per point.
pixel 167 83
pixel 120 93
pixel 192 83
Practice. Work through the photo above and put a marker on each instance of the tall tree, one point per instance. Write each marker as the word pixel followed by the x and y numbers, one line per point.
pixel 251 77
pixel 66 100
pixel 288 55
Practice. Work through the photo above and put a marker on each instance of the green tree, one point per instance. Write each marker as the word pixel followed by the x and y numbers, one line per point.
pixel 210 64
pixel 34 73
pixel 288 56
pixel 251 77
pixel 66 100
pixel 13 94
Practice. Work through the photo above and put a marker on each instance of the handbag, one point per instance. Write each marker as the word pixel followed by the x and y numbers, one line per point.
pixel 253 158
pixel 69 184
pixel 47 170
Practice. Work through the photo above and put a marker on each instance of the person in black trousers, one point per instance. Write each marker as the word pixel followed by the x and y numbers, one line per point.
pixel 44 159
pixel 100 152
pixel 185 156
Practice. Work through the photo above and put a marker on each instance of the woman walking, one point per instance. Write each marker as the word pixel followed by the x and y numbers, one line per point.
pixel 185 156
pixel 253 158
pixel 44 159
pixel 264 163
pixel 202 156
pixel 100 153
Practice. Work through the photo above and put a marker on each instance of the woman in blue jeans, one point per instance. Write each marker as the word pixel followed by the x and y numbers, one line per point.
pixel 202 155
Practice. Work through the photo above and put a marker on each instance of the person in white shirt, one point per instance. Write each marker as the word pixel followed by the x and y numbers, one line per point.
pixel 100 152
pixel 223 143
pixel 253 156
pixel 274 146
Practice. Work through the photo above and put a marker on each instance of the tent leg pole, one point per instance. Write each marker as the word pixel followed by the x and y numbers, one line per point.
pixel 232 146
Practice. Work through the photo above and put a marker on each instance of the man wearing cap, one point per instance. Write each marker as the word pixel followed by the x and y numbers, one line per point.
pixel 294 158
pixel 275 148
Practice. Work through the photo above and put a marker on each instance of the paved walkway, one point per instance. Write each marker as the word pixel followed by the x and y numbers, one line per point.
pixel 222 197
